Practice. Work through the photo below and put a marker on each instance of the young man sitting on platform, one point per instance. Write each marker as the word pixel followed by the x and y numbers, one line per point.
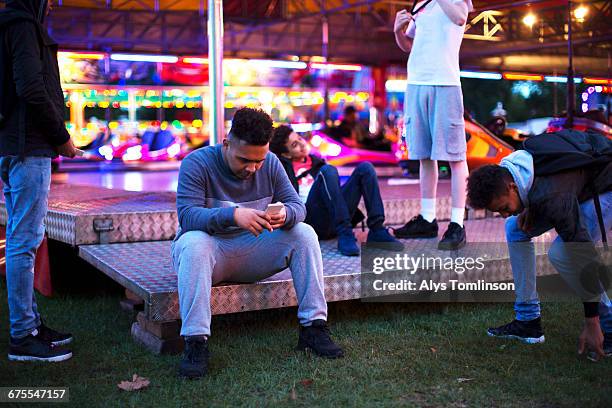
pixel 226 235
pixel 554 184
pixel 331 209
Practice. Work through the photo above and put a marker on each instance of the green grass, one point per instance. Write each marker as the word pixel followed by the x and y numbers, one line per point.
pixel 389 359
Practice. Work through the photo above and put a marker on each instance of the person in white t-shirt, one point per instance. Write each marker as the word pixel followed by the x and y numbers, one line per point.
pixel 433 110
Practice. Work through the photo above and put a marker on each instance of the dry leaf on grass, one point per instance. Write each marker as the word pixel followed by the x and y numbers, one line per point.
pixel 433 349
pixel 136 384
pixel 461 380
pixel 307 382
pixel 293 395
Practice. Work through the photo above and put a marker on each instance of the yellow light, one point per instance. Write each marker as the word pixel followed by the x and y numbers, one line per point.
pixel 229 105
pixel 580 13
pixel 195 60
pixel 180 104
pixel 113 125
pixel 197 123
pixel 529 20
pixel 189 105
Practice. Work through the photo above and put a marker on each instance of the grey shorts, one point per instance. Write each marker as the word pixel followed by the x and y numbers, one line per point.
pixel 434 123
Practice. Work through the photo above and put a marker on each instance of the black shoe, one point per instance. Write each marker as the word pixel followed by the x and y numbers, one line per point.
pixel 34 348
pixel 195 358
pixel 529 332
pixel 316 339
pixel 54 337
pixel 454 237
pixel 417 227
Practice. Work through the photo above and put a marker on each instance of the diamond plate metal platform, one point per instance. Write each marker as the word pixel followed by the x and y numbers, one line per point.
pixel 81 215
pixel 145 269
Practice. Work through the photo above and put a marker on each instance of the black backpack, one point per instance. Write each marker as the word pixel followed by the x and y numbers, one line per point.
pixel 571 149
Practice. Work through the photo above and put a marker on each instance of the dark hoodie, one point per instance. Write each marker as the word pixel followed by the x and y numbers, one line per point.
pixel 32 99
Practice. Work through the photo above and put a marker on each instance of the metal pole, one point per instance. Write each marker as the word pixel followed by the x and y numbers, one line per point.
pixel 325 52
pixel 571 87
pixel 216 123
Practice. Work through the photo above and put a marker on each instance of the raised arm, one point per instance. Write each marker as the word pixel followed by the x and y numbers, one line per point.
pixel 457 11
pixel 403 21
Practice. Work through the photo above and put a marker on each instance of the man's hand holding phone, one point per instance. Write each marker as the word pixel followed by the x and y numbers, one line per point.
pixel 252 220
pixel 277 214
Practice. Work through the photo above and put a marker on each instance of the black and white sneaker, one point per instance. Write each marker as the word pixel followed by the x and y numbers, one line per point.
pixel 529 332
pixel 52 336
pixel 316 339
pixel 34 348
pixel 417 227
pixel 453 239
pixel 194 364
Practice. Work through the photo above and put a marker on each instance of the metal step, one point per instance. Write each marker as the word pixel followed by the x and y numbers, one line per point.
pixel 145 269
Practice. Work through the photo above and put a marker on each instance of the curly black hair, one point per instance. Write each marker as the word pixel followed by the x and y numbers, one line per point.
pixel 485 184
pixel 278 143
pixel 253 126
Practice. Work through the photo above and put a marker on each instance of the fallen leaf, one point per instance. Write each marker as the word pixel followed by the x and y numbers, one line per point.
pixel 136 384
pixel 461 380
pixel 293 395
pixel 306 382
pixel 433 350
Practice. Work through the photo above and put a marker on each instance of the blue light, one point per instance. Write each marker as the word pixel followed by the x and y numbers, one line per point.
pixel 481 75
pixel 561 79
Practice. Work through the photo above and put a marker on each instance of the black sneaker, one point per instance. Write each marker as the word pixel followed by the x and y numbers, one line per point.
pixel 194 364
pixel 54 337
pixel 316 339
pixel 34 348
pixel 454 238
pixel 417 227
pixel 529 332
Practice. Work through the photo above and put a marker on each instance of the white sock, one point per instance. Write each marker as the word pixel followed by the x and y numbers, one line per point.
pixel 428 209
pixel 457 215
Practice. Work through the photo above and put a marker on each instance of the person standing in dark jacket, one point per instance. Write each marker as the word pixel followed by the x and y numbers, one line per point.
pixel 533 204
pixel 331 209
pixel 32 132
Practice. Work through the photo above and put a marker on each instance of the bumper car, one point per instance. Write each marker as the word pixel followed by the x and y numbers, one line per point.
pixel 593 121
pixel 155 146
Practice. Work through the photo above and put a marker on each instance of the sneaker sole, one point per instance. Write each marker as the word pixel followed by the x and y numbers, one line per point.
pixel 56 359
pixel 61 342
pixel 313 351
pixel 526 340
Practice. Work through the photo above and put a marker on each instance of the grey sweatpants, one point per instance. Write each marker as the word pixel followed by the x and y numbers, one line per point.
pixel 202 260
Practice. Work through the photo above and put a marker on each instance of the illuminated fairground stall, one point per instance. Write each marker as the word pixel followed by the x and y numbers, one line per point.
pixel 148 108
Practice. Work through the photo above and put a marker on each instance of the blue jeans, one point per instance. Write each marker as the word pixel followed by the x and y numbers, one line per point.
pixel 26 189
pixel 330 207
pixel 523 261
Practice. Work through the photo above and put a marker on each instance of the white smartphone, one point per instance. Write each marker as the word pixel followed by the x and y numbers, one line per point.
pixel 79 153
pixel 274 209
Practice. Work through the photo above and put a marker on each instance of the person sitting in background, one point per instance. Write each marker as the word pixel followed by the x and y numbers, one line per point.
pixel 330 207
pixel 351 128
pixel 222 197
